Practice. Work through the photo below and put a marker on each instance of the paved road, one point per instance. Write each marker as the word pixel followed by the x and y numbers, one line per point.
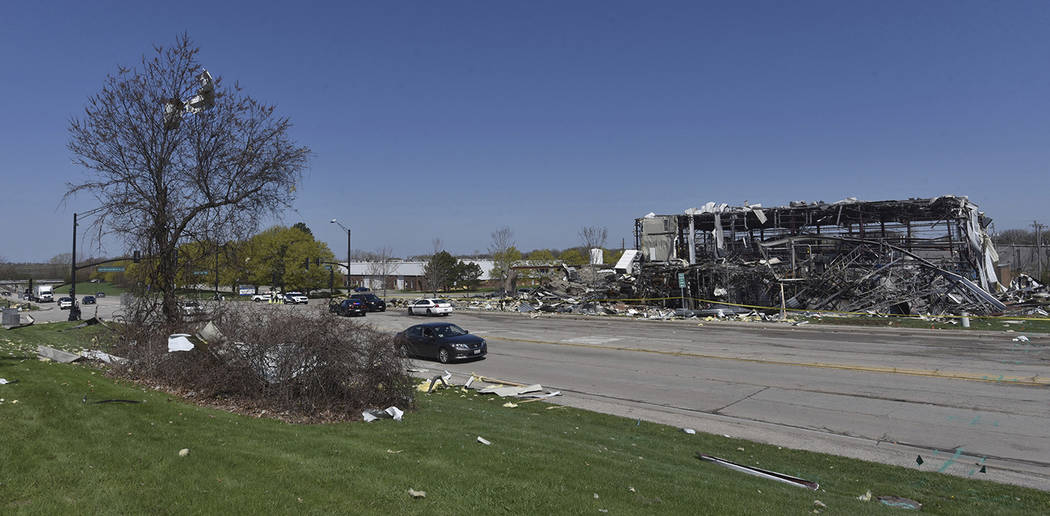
pixel 876 394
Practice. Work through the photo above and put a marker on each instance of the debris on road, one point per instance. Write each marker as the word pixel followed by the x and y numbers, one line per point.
pixel 763 473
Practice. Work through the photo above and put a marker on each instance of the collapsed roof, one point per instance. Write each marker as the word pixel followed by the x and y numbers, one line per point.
pixel 902 256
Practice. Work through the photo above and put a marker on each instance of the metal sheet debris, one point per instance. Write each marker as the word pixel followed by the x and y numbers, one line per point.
pixel 484 441
pixel 900 503
pixel 57 355
pixel 417 494
pixel 179 342
pixel 388 413
pixel 763 473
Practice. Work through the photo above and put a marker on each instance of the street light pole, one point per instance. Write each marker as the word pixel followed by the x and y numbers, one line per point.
pixel 334 221
pixel 74 311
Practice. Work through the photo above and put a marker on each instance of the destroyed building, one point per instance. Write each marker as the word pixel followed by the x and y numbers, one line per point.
pixel 910 256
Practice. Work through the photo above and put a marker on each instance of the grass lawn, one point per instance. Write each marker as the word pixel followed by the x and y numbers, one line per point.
pixel 61 456
pixel 85 288
pixel 1019 325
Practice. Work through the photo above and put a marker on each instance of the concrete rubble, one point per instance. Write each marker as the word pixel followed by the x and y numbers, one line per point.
pixel 917 257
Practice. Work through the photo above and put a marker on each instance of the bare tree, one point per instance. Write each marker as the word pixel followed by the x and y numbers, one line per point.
pixel 593 237
pixel 166 170
pixel 503 255
pixel 382 264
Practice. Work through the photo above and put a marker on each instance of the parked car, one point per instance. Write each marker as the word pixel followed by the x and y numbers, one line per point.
pixel 430 307
pixel 444 341
pixel 362 289
pixel 371 301
pixel 349 308
pixel 297 298
pixel 259 298
pixel 65 303
pixel 192 308
pixel 88 300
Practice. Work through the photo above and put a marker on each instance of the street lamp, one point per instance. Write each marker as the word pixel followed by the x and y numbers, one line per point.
pixel 334 221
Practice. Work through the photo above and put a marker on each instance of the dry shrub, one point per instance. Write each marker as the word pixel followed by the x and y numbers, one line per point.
pixel 300 365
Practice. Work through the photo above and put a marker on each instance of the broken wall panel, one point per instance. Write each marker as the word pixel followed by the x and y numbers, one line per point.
pixel 901 256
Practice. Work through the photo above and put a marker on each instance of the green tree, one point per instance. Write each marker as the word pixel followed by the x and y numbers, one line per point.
pixel 440 271
pixel 540 255
pixel 287 258
pixel 574 257
pixel 467 274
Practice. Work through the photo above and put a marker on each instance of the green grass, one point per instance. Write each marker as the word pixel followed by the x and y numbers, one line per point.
pixel 1018 325
pixel 61 456
pixel 85 288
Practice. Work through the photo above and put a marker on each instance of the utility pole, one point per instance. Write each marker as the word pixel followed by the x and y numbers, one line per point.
pixel 1039 246
pixel 74 311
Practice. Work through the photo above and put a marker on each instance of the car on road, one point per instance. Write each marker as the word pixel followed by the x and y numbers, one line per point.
pixel 429 307
pixel 371 301
pixel 65 303
pixel 100 294
pixel 362 289
pixel 297 298
pixel 443 341
pixel 88 300
pixel 349 308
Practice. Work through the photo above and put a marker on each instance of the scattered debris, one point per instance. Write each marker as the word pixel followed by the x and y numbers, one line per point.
pixel 689 431
pixel 417 494
pixel 1020 338
pixel 866 497
pixel 484 441
pixel 4 381
pixel 388 450
pixel 428 386
pixel 511 390
pixel 771 475
pixel 595 496
pixel 510 405
pixel 184 452
pixel 389 413
pixel 101 356
pixel 179 342
pixel 57 355
pixel 900 503
pixel 820 504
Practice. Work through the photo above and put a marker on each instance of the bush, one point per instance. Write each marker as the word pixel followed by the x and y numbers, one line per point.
pixel 303 366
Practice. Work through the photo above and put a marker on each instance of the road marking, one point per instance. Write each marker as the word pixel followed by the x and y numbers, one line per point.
pixel 592 339
pixel 1038 381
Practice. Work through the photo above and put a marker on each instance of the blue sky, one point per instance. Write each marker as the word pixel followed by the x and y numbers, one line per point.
pixel 452 119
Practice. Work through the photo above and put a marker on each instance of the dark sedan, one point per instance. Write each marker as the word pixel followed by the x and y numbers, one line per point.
pixel 371 301
pixel 444 341
pixel 348 308
pixel 88 300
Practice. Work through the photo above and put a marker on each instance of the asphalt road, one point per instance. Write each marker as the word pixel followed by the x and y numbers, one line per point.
pixel 889 395
pixel 958 400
